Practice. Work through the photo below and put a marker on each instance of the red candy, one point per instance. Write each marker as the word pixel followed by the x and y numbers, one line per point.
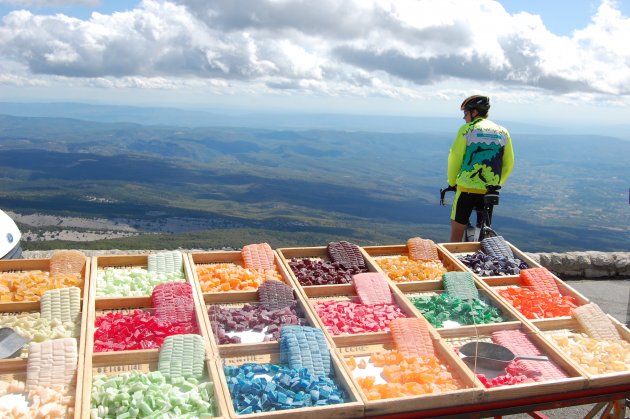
pixel 136 330
pixel 534 304
pixel 502 380
pixel 341 317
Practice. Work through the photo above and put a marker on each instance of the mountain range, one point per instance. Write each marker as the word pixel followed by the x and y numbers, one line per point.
pixel 300 186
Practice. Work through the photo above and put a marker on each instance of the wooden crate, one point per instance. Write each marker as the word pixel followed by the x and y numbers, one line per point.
pixel 369 345
pixel 421 289
pixel 25 265
pixel 17 370
pixel 239 354
pixel 459 249
pixel 114 363
pixel 553 326
pixel 233 257
pixel 101 305
pixel 454 338
pixel 494 284
pixel 250 298
pixel 345 293
pixel 14 308
pixel 375 252
pixel 317 252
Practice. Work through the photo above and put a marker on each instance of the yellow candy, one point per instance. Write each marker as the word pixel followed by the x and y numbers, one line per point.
pixel 403 269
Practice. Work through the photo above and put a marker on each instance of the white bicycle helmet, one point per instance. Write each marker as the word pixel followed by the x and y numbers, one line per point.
pixel 9 238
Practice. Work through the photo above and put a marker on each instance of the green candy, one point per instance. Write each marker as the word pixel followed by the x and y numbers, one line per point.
pixel 438 309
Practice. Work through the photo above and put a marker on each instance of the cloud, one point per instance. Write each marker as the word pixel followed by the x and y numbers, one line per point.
pixel 357 47
pixel 51 3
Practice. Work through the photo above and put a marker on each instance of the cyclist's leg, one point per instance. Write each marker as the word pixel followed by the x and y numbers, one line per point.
pixel 460 215
pixel 457 231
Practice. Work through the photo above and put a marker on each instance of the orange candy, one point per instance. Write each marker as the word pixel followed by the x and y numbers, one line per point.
pixel 404 269
pixel 406 376
pixel 536 304
pixel 31 285
pixel 224 277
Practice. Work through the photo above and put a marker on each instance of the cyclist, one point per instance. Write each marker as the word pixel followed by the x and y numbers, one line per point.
pixel 481 154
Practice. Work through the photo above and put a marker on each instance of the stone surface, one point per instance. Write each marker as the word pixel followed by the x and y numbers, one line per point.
pixel 585 264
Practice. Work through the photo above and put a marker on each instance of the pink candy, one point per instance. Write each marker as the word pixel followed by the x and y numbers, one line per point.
pixel 343 317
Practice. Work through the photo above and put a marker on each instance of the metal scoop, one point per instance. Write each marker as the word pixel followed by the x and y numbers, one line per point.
pixel 10 343
pixel 491 356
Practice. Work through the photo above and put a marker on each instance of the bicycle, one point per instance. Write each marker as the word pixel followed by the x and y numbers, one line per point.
pixel 483 227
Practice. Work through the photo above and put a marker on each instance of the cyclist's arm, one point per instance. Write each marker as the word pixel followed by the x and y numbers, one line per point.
pixel 508 161
pixel 456 158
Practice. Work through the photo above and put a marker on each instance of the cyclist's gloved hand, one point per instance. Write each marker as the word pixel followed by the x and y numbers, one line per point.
pixel 450 188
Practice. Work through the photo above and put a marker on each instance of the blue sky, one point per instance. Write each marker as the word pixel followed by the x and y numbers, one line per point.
pixel 562 61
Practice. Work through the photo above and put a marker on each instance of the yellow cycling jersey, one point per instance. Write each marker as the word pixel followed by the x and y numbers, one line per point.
pixel 481 154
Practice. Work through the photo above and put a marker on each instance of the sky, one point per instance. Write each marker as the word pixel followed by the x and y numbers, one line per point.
pixel 560 61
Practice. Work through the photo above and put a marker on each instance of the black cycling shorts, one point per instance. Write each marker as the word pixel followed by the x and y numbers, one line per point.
pixel 464 204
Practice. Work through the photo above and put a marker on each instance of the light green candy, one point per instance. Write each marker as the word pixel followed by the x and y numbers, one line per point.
pixel 137 394
pixel 112 282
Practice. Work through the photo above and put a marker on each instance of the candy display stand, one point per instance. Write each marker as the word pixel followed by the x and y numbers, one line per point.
pixel 249 336
pixel 225 298
pixel 496 285
pixel 343 294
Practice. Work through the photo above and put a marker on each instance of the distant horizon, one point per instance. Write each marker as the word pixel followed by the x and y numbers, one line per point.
pixel 195 117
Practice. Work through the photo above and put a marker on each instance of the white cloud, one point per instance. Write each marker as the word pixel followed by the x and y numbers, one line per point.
pixel 50 3
pixel 396 48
